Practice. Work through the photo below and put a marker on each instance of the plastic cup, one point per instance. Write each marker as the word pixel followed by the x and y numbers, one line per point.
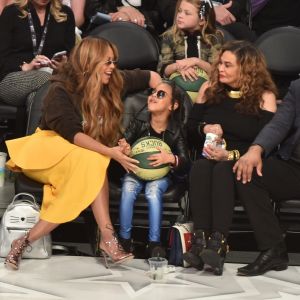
pixel 2 167
pixel 158 266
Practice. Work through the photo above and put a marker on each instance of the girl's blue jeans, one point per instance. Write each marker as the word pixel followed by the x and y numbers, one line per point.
pixel 154 190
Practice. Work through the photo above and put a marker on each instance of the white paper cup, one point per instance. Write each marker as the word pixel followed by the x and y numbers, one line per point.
pixel 3 156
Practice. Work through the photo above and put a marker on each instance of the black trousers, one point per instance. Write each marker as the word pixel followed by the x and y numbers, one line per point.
pixel 212 194
pixel 280 181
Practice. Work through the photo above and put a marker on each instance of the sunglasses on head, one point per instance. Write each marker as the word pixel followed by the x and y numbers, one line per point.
pixel 160 94
pixel 110 61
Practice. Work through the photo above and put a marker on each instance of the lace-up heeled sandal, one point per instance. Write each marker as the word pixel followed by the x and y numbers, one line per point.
pixel 14 256
pixel 114 250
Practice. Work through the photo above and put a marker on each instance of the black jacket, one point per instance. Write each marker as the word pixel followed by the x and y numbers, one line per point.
pixel 174 136
pixel 16 43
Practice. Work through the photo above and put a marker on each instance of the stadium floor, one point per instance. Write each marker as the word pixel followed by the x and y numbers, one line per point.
pixel 77 278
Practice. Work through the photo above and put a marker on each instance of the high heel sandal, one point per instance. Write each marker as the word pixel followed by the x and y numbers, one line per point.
pixel 14 256
pixel 114 250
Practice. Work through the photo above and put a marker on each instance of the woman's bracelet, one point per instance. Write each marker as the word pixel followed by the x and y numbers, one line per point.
pixel 233 155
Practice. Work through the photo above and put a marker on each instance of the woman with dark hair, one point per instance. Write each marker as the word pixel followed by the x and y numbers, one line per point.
pixel 31 32
pixel 163 121
pixel 234 105
pixel 78 135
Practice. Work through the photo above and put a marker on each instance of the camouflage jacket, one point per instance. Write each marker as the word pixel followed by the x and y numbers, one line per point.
pixel 171 51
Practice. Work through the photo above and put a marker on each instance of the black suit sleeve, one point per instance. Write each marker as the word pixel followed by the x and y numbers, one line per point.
pixel 281 124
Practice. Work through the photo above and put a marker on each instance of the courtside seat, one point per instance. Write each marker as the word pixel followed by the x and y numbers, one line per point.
pixel 281 48
pixel 136 46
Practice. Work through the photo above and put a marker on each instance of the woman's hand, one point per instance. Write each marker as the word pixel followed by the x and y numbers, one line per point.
pixel 215 153
pixel 119 16
pixel 161 158
pixel 128 163
pixel 38 62
pixel 134 15
pixel 55 64
pixel 124 146
pixel 213 128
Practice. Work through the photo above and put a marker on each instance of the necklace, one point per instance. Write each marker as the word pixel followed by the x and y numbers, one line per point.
pixel 234 94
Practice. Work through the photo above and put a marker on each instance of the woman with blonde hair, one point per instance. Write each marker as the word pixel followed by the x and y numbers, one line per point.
pixel 31 32
pixel 78 135
pixel 189 46
pixel 231 110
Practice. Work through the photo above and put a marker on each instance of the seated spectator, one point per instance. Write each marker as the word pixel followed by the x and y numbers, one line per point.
pixel 30 35
pixel 157 15
pixel 234 16
pixel 234 106
pixel 78 135
pixel 4 3
pixel 188 48
pixel 274 177
pixel 163 122
pixel 276 13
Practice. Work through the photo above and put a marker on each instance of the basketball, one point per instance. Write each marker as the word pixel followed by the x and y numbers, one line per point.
pixel 141 150
pixel 192 87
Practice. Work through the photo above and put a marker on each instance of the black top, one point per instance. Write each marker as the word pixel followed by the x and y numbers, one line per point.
pixel 16 42
pixel 277 13
pixel 156 12
pixel 239 130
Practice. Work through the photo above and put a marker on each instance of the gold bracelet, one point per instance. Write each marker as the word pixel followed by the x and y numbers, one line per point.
pixel 230 155
pixel 236 154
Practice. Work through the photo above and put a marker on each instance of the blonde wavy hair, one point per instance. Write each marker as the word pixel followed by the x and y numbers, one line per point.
pixel 101 105
pixel 208 30
pixel 254 78
pixel 55 9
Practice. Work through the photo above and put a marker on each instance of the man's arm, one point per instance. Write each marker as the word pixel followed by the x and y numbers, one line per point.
pixel 270 136
pixel 278 128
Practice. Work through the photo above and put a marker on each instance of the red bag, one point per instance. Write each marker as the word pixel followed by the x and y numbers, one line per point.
pixel 180 241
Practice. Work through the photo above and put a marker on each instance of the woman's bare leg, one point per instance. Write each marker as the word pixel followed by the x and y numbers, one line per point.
pixel 40 229
pixel 109 242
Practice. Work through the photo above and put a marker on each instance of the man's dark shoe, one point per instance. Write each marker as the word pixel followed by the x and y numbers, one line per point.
pixel 215 253
pixel 275 258
pixel 192 256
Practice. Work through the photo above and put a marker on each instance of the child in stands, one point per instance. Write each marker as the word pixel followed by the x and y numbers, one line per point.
pixel 189 46
pixel 163 121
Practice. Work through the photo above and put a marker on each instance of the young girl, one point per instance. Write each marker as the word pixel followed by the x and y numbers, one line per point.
pixel 162 122
pixel 189 47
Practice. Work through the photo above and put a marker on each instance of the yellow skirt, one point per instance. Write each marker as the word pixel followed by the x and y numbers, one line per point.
pixel 72 176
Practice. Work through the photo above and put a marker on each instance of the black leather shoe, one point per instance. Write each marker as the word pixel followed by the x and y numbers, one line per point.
pixel 275 258
pixel 192 256
pixel 215 253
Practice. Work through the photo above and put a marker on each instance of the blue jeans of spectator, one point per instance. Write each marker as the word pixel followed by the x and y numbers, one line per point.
pixel 154 190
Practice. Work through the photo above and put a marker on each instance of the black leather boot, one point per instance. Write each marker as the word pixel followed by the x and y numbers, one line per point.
pixel 275 258
pixel 215 253
pixel 155 249
pixel 126 244
pixel 192 256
